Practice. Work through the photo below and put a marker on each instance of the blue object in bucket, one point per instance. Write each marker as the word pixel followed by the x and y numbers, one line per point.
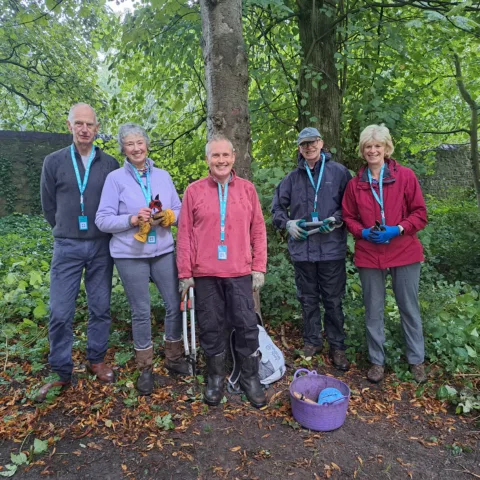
pixel 329 395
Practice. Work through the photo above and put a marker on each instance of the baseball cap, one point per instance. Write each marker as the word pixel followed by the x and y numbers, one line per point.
pixel 308 134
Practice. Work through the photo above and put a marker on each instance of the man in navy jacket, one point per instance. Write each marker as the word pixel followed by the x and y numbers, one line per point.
pixel 313 192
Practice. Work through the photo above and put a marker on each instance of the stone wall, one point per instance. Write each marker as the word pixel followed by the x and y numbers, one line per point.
pixel 21 160
pixel 452 170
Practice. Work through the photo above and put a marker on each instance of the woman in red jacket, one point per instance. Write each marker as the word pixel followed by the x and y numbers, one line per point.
pixel 383 208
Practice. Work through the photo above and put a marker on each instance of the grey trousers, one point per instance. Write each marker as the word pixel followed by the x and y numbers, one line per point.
pixel 135 274
pixel 405 281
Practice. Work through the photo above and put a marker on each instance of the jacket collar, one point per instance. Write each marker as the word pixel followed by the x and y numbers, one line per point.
pixel 389 173
pixel 301 160
pixel 214 181
pixel 130 168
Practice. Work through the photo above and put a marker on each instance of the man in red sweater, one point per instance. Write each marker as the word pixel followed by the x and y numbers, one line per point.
pixel 222 251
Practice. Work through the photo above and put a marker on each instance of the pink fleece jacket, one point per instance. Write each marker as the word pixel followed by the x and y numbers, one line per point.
pixel 199 231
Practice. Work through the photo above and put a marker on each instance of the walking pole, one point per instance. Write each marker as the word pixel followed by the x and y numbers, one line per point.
pixel 193 342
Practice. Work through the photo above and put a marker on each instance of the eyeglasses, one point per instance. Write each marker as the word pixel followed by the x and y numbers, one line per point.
pixel 308 144
pixel 79 124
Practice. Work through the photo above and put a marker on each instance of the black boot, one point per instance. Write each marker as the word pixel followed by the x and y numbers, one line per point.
pixel 215 379
pixel 175 360
pixel 144 359
pixel 250 381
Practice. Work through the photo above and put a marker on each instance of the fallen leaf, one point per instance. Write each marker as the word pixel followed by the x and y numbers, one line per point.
pixel 235 449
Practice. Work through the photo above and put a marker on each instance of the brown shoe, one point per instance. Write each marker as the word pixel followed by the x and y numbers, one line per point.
pixel 339 360
pixel 418 372
pixel 42 393
pixel 175 360
pixel 375 374
pixel 311 350
pixel 103 372
pixel 144 359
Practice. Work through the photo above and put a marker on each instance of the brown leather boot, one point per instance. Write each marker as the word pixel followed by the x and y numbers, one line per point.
pixel 144 359
pixel 42 393
pixel 143 229
pixel 175 361
pixel 103 372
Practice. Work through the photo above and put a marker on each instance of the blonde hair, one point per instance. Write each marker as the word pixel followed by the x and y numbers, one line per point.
pixel 379 133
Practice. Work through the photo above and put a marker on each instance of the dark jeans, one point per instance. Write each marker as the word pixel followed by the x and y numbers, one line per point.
pixel 323 281
pixel 222 301
pixel 70 259
pixel 135 274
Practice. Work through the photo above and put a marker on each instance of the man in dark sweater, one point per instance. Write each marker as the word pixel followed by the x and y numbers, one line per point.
pixel 313 192
pixel 71 185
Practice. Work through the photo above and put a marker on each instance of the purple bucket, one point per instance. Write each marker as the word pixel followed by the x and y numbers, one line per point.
pixel 317 417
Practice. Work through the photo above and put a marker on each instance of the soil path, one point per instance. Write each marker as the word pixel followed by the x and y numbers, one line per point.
pixel 392 431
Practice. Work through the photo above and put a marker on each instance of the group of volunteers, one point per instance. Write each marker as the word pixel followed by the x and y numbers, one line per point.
pixel 103 214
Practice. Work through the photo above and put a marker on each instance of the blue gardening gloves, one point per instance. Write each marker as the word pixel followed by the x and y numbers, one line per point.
pixel 295 230
pixel 381 234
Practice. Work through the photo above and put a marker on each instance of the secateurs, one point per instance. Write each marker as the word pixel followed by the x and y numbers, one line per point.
pixel 188 303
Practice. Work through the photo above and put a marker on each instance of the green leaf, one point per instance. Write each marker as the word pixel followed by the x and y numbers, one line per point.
pixel 39 311
pixel 11 469
pixel 471 352
pixel 19 459
pixel 40 446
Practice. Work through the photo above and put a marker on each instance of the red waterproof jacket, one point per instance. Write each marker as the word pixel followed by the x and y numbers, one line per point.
pixel 404 205
pixel 199 231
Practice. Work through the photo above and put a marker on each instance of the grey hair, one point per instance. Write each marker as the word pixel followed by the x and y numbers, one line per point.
pixel 131 129
pixel 379 133
pixel 218 137
pixel 81 104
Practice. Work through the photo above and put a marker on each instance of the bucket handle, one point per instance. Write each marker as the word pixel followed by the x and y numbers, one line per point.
pixel 314 372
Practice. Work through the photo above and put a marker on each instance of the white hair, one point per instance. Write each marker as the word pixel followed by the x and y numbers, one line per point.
pixel 131 129
pixel 217 138
pixel 70 113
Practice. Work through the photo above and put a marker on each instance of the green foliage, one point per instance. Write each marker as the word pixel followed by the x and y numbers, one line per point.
pixel 47 60
pixel 21 458
pixel 452 237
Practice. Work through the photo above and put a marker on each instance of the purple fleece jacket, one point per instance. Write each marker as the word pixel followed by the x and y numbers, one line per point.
pixel 122 197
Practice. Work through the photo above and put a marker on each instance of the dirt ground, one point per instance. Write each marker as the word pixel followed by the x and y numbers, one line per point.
pixel 393 431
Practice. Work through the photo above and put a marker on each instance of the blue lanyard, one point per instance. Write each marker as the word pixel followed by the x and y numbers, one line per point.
pixel 147 192
pixel 222 198
pixel 82 186
pixel 320 175
pixel 379 199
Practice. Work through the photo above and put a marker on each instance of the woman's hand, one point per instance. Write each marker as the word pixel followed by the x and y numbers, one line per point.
pixel 144 214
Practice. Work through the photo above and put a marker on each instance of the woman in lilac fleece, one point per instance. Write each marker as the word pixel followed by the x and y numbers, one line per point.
pixel 125 198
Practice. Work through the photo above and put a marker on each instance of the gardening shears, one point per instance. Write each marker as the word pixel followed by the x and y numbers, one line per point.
pixel 317 226
pixel 188 303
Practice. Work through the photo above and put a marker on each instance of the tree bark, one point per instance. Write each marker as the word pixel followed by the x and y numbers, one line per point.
pixel 319 91
pixel 226 75
pixel 474 107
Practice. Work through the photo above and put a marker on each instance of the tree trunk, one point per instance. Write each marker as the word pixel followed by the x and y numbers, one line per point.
pixel 226 75
pixel 474 107
pixel 319 92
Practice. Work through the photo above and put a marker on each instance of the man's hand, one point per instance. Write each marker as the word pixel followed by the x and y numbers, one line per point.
pixel 328 225
pixel 258 279
pixel 295 230
pixel 165 218
pixel 185 283
pixel 384 236
pixel 144 214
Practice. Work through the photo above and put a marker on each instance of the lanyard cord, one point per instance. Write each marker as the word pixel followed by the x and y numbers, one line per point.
pixel 379 199
pixel 222 198
pixel 82 185
pixel 147 192
pixel 320 175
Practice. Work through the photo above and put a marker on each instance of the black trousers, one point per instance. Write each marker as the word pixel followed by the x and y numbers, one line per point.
pixel 222 303
pixel 323 281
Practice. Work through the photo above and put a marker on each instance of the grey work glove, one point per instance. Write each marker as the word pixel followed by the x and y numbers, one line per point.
pixel 185 283
pixel 295 230
pixel 258 279
pixel 328 225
